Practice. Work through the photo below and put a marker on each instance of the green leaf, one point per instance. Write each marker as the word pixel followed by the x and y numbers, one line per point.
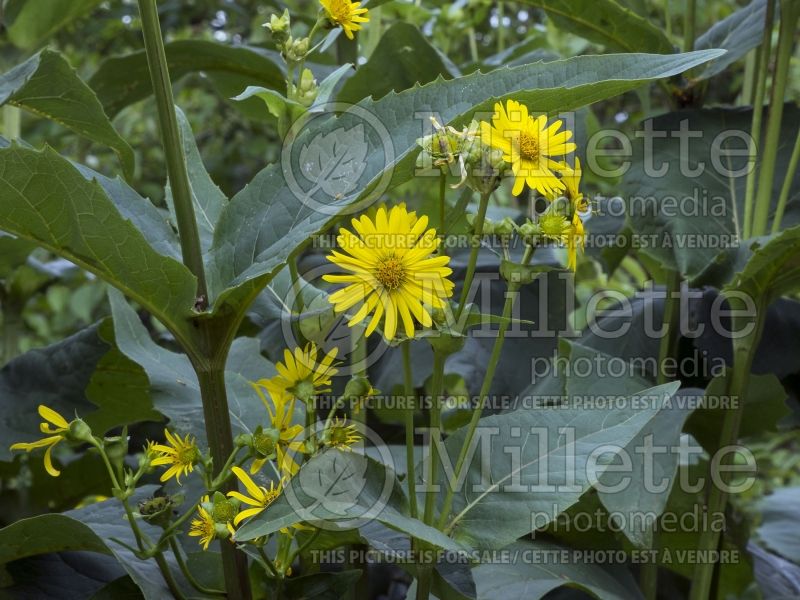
pixel 402 59
pixel 32 22
pixel 207 198
pixel 47 533
pixel 325 586
pixel 780 515
pixel 123 80
pixel 339 486
pixel 251 242
pixel 535 570
pixel 48 86
pixel 48 200
pixel 278 105
pixel 174 389
pixel 649 479
pixel 508 460
pixel 675 217
pixel 737 33
pixel 764 406
pixel 773 270
pixel 606 22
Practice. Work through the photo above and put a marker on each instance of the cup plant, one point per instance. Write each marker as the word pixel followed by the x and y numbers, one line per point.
pixel 262 466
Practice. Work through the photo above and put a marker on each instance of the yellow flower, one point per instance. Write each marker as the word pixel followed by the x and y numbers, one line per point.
pixel 345 14
pixel 55 435
pixel 181 454
pixel 204 526
pixel 392 272
pixel 280 407
pixel 572 180
pixel 260 497
pixel 528 145
pixel 555 227
pixel 301 375
pixel 577 237
pixel 340 435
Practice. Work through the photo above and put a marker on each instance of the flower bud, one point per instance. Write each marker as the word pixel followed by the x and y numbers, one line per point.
pixel 357 387
pixel 307 90
pixel 296 50
pixel 529 232
pixel 280 27
pixel 505 227
pixel 157 510
pixel 116 448
pixel 79 431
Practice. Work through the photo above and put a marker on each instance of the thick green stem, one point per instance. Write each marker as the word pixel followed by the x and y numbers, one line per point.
pixel 744 350
pixel 477 226
pixel 689 17
pixel 789 14
pixel 759 90
pixel 408 390
pixel 442 204
pixel 168 577
pixel 787 185
pixel 435 412
pixel 669 338
pixel 511 295
pixel 176 551
pixel 173 148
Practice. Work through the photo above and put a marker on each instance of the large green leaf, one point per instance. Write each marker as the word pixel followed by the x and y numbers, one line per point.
pixel 340 486
pixel 48 86
pixel 251 241
pixel 650 478
pixel 606 22
pixel 537 568
pixel 47 533
pixel 691 223
pixel 49 201
pixel 123 80
pixel 738 34
pixel 174 388
pixel 529 470
pixel 31 22
pixel 773 270
pixel 402 59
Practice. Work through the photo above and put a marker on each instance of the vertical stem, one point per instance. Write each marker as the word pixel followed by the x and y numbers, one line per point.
pixel 744 350
pixel 671 314
pixel 442 189
pixel 750 76
pixel 473 253
pixel 220 442
pixel 408 390
pixel 787 184
pixel 501 30
pixel 173 148
pixel 511 295
pixel 170 580
pixel 789 13
pixel 758 111
pixel 689 25
pixel 12 122
pixel 437 385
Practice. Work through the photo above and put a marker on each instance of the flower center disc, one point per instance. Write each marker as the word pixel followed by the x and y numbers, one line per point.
pixel 340 11
pixel 188 456
pixel 391 273
pixel 528 146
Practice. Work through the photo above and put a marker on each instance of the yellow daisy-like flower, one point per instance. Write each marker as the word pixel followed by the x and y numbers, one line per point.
pixel 341 435
pixel 54 436
pixel 528 145
pixel 393 273
pixel 300 374
pixel 204 526
pixel 260 497
pixel 182 455
pixel 572 181
pixel 280 407
pixel 577 237
pixel 347 15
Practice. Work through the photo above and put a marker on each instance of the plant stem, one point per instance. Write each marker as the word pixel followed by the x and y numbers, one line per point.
pixel 789 14
pixel 437 385
pixel 672 308
pixel 173 148
pixel 168 577
pixel 477 225
pixel 408 390
pixel 759 90
pixel 511 295
pixel 442 205
pixel 220 441
pixel 787 184
pixel 689 25
pixel 12 121
pixel 176 551
pixel 744 350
